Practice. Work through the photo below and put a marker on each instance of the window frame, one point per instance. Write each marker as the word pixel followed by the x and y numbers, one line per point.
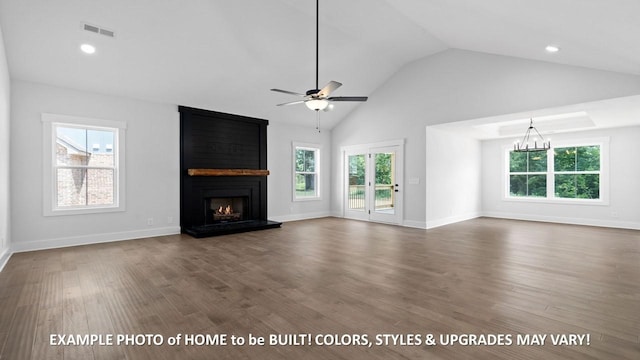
pixel 317 149
pixel 527 173
pixel 603 173
pixel 50 124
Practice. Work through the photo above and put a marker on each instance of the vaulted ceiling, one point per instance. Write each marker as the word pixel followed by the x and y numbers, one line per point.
pixel 226 55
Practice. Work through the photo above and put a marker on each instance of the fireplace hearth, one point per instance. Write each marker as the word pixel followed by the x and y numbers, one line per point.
pixel 223 187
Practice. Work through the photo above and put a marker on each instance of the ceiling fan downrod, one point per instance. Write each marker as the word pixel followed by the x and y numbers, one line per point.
pixel 319 99
pixel 317 40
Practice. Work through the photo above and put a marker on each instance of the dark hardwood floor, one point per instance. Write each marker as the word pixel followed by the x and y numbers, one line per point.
pixel 335 277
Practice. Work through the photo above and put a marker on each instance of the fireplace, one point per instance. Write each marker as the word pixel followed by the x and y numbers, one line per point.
pixel 223 187
pixel 224 210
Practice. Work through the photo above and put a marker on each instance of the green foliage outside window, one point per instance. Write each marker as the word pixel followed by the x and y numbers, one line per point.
pixel 570 163
pixel 528 185
pixel 383 163
pixel 305 160
pixel 575 173
pixel 528 174
pixel 305 180
pixel 383 168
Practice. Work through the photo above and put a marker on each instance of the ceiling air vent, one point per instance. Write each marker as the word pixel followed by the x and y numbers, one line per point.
pixel 98 30
pixel 106 32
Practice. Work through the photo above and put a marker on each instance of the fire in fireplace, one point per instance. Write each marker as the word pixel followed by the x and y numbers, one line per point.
pixel 226 209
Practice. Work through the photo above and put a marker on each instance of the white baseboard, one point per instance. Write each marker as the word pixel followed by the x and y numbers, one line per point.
pixel 415 224
pixel 566 220
pixel 5 255
pixel 405 223
pixel 451 220
pixel 92 239
pixel 296 217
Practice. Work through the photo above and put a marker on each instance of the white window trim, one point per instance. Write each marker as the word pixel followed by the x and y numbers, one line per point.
pixel 306 146
pixel 48 160
pixel 603 142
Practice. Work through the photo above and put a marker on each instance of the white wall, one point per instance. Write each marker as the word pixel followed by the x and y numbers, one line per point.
pixel 281 206
pixel 452 177
pixel 5 238
pixel 622 211
pixel 459 85
pixel 450 86
pixel 152 168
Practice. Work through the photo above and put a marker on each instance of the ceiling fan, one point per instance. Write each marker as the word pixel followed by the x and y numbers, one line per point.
pixel 318 99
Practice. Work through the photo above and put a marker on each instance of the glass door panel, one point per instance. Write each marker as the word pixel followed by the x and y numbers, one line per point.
pixel 357 189
pixel 384 176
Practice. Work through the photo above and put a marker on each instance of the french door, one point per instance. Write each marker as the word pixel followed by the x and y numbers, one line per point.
pixel 373 183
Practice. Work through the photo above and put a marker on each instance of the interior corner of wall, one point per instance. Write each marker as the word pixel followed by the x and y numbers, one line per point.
pixel 5 255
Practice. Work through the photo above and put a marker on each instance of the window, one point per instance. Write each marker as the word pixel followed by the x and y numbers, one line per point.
pixel 306 165
pixel 577 172
pixel 84 160
pixel 528 174
pixel 564 173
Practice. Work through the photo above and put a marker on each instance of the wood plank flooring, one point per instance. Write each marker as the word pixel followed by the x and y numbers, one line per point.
pixel 336 277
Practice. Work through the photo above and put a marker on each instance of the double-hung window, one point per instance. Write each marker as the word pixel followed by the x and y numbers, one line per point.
pixel 528 174
pixel 84 163
pixel 574 171
pixel 306 174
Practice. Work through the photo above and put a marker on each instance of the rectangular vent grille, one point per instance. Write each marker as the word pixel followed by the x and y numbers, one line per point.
pixel 98 30
pixel 91 28
pixel 106 32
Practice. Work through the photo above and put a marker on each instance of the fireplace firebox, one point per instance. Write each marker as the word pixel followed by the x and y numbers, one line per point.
pixel 222 210
pixel 223 187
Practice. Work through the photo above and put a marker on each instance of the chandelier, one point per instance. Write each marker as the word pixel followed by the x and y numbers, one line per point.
pixel 532 142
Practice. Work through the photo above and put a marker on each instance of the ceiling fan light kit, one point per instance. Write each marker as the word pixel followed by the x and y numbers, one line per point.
pixel 317 104
pixel 318 99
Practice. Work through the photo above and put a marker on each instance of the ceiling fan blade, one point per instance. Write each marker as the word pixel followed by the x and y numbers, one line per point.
pixel 292 103
pixel 329 88
pixel 348 98
pixel 288 92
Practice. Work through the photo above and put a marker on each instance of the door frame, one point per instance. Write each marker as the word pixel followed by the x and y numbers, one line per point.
pixel 367 149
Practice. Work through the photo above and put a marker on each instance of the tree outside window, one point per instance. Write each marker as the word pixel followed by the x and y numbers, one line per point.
pixel 527 174
pixel 577 172
pixel 570 172
pixel 306 170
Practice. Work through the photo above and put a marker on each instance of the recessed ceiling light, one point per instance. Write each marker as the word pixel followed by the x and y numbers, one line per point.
pixel 552 49
pixel 88 49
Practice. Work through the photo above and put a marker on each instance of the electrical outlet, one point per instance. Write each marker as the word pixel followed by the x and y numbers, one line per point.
pixel 614 214
pixel 150 221
pixel 169 219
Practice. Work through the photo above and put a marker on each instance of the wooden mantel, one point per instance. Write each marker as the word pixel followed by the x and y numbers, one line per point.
pixel 227 172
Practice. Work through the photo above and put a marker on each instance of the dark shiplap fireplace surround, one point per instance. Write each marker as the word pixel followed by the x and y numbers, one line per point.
pixel 223 163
